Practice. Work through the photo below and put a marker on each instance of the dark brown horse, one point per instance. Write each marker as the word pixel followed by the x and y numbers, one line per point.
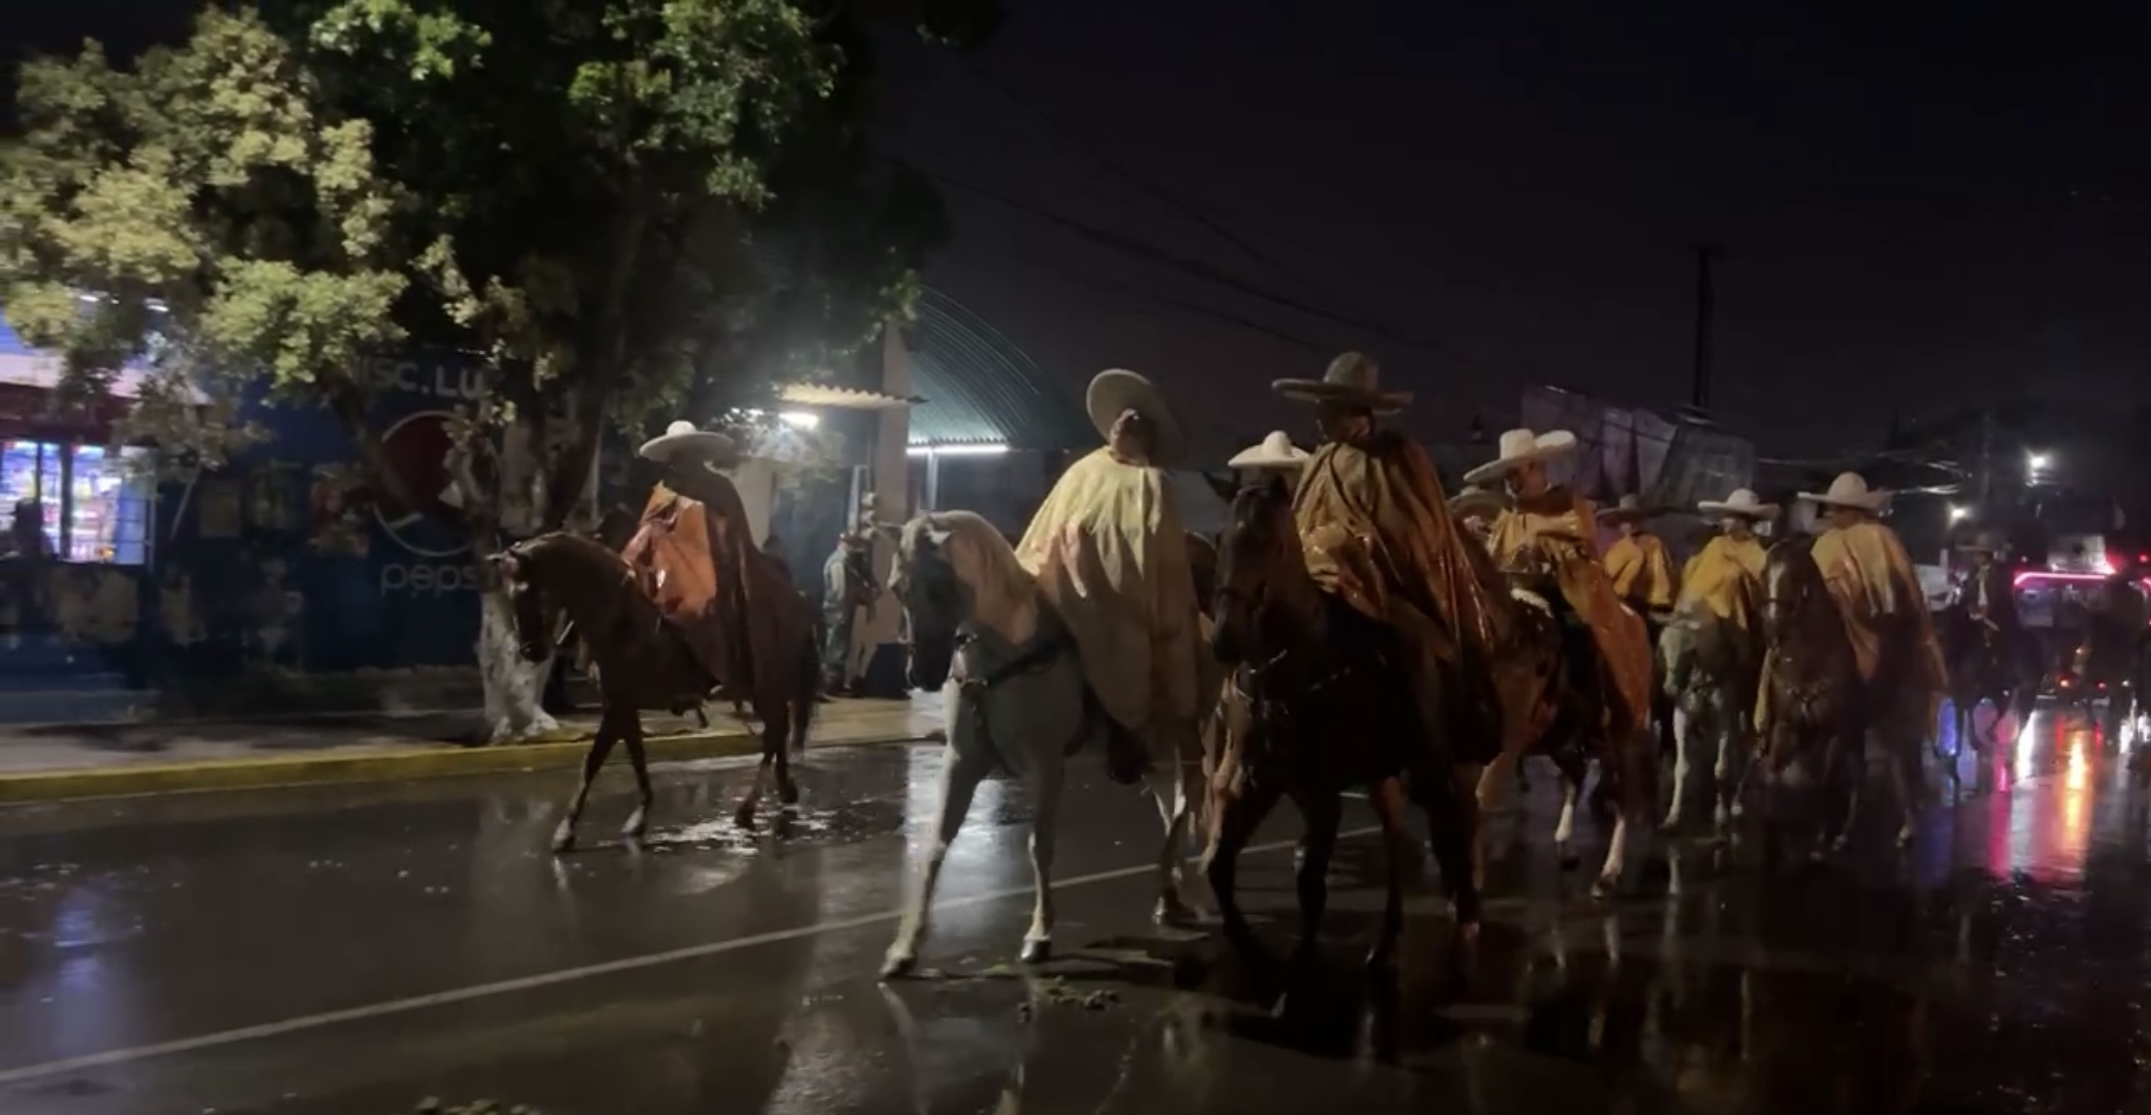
pixel 1813 733
pixel 1982 667
pixel 642 663
pixel 1322 704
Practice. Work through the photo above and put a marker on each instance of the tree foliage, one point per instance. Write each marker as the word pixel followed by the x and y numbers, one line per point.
pixel 618 207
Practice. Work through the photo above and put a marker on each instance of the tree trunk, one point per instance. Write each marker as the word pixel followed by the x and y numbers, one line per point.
pixel 514 688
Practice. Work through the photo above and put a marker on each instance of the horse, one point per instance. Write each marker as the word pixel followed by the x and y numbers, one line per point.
pixel 641 661
pixel 1710 666
pixel 1981 668
pixel 1020 706
pixel 1327 704
pixel 1812 681
pixel 1551 705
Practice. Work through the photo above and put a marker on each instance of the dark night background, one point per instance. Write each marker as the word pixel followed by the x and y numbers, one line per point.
pixel 1924 203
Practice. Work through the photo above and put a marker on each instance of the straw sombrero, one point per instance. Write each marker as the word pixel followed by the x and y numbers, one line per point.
pixel 1354 379
pixel 1474 500
pixel 1274 452
pixel 1117 390
pixel 1522 447
pixel 1849 490
pixel 1742 502
pixel 1631 509
pixel 683 440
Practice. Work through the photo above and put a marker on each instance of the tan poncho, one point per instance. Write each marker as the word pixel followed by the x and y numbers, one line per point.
pixel 1642 572
pixel 1376 525
pixel 1559 524
pixel 1884 608
pixel 1726 577
pixel 1110 554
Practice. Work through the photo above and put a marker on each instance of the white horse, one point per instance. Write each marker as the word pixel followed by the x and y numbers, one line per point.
pixel 1712 668
pixel 1017 705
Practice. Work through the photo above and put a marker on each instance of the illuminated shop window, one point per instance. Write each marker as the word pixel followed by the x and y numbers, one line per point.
pixel 94 502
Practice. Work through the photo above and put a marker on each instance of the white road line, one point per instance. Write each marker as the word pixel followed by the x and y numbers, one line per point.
pixel 111 1057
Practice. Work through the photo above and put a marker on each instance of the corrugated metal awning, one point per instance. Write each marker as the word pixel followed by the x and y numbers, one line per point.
pixel 840 398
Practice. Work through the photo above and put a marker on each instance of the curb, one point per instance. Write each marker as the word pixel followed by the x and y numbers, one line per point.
pixel 391 766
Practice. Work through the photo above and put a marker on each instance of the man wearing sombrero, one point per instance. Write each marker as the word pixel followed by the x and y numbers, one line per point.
pixel 695 552
pixel 1369 505
pixel 1552 523
pixel 1884 608
pixel 1110 553
pixel 1638 562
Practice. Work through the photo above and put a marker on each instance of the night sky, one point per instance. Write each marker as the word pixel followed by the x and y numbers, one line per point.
pixel 1922 202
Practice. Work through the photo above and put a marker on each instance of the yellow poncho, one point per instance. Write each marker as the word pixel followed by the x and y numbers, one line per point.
pixel 1642 572
pixel 1885 614
pixel 1726 577
pixel 1110 554
pixel 1559 524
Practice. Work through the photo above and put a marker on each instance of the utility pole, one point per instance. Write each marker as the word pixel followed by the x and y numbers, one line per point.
pixel 1986 458
pixel 1705 306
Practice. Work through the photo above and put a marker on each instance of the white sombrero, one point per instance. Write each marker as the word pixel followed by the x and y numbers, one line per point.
pixel 1354 379
pixel 1630 509
pixel 1117 390
pixel 1742 502
pixel 1475 500
pixel 686 440
pixel 1522 447
pixel 1274 452
pixel 1849 490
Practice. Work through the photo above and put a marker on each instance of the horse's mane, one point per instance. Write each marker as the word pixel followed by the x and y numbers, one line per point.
pixel 1004 595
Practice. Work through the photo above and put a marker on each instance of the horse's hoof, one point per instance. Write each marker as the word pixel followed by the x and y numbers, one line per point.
pixel 637 826
pixel 744 817
pixel 1839 844
pixel 1605 887
pixel 1035 951
pixel 788 794
pixel 1670 824
pixel 898 965
pixel 1170 910
pixel 1904 838
pixel 1570 861
pixel 1738 810
pixel 563 840
pixel 1382 963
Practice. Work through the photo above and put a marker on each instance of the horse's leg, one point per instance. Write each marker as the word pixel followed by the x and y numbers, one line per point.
pixel 1237 818
pixel 960 777
pixel 1635 755
pixel 1045 824
pixel 1683 740
pixel 777 744
pixel 1575 767
pixel 1846 764
pixel 1902 757
pixel 608 730
pixel 1167 782
pixel 638 822
pixel 1725 736
pixel 1387 798
pixel 1322 812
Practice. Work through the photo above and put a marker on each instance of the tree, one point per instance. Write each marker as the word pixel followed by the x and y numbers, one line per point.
pixel 609 204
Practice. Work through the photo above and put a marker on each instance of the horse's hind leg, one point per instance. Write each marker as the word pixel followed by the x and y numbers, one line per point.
pixel 1045 826
pixel 593 761
pixel 1725 785
pixel 1684 733
pixel 638 822
pixel 1574 767
pixel 960 777
pixel 1452 810
pixel 1169 787
pixel 1237 818
pixel 1635 756
pixel 1322 813
pixel 777 744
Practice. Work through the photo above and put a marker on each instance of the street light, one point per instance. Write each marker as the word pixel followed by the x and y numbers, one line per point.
pixel 2039 462
pixel 1959 513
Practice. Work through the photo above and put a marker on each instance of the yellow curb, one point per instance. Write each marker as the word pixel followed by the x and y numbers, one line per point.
pixel 374 766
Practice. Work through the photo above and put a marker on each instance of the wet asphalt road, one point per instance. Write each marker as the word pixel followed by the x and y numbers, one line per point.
pixel 359 949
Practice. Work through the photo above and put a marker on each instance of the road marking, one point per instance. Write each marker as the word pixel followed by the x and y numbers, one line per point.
pixel 111 1057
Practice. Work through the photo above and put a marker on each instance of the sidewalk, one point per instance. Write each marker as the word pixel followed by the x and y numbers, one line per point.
pixel 65 761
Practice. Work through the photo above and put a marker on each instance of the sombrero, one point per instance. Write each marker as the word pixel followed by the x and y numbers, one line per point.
pixel 1274 452
pixel 1631 508
pixel 1117 390
pixel 1742 502
pixel 685 440
pixel 1475 500
pixel 1522 447
pixel 1352 378
pixel 1849 490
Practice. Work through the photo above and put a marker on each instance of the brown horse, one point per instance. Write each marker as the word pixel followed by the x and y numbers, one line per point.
pixel 1981 668
pixel 1322 704
pixel 642 663
pixel 1814 733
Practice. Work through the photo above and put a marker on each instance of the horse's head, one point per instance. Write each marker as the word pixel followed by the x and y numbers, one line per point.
pixel 518 568
pixel 1792 583
pixel 924 580
pixel 1259 539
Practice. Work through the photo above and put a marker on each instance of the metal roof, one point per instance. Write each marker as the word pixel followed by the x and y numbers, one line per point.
pixel 975 385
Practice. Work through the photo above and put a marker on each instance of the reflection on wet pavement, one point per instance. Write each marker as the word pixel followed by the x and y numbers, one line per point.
pixel 336 952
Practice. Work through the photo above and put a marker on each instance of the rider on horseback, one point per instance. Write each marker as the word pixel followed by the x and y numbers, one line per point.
pixel 1553 526
pixel 1110 554
pixel 1377 533
pixel 1641 569
pixel 1884 608
pixel 1724 576
pixel 1988 597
